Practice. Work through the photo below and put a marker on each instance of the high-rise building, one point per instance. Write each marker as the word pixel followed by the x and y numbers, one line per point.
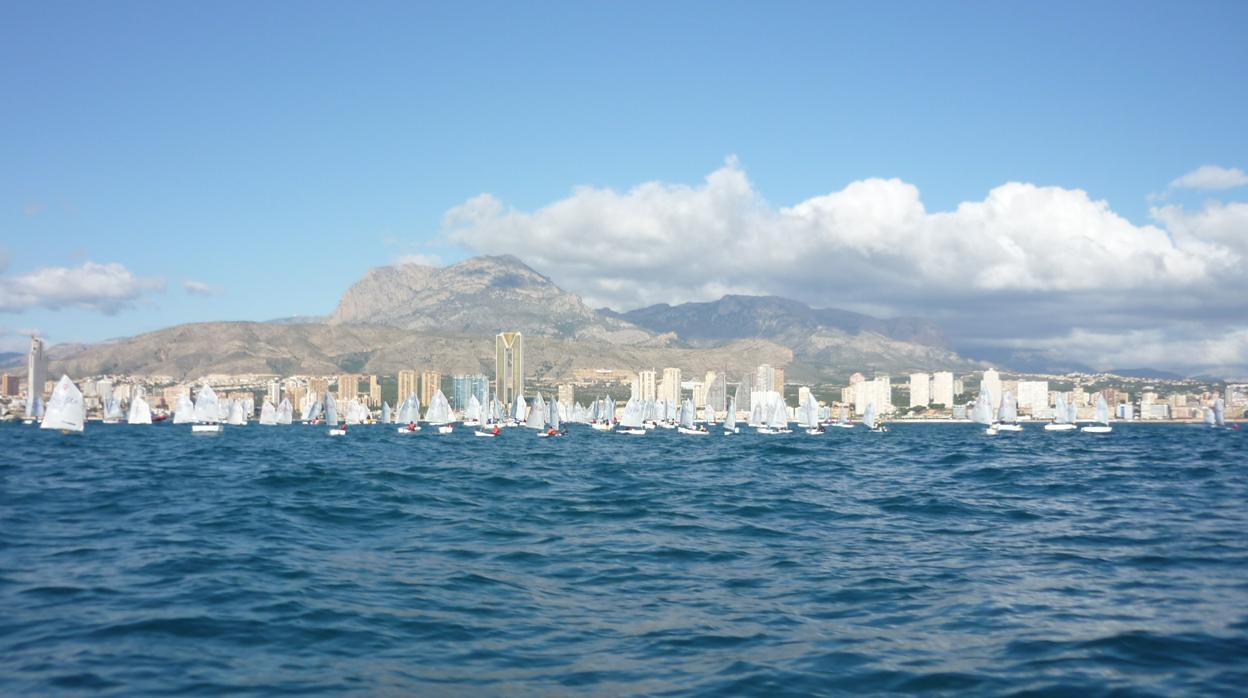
pixel 803 394
pixel 275 392
pixel 920 390
pixel 508 366
pixel 295 392
pixel 348 386
pixel 764 378
pixel 699 389
pixel 464 387
pixel 646 385
pixel 36 374
pixel 878 392
pixel 942 388
pixel 318 388
pixel 10 386
pixel 374 391
pixel 430 384
pixel 992 382
pixel 407 386
pixel 669 387
pixel 567 396
pixel 1033 397
pixel 777 379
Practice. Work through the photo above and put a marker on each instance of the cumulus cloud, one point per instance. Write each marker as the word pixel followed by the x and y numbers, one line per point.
pixel 105 288
pixel 198 288
pixel 1026 261
pixel 1211 177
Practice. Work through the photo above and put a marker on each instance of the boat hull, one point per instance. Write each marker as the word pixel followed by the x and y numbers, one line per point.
pixel 337 432
pixel 445 429
pixel 600 426
pixel 484 434
pixel 1009 427
pixel 205 428
pixel 1097 429
pixel 632 432
pixel 1059 427
pixel 405 430
pixel 691 432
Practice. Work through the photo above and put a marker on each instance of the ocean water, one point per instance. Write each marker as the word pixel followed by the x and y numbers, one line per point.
pixel 930 560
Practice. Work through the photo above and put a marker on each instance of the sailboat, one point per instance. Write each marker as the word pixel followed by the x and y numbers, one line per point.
pixel 65 409
pixel 207 412
pixel 687 413
pixel 1007 415
pixel 385 413
pixel 313 412
pixel 774 414
pixel 285 412
pixel 409 415
pixel 604 420
pixel 869 419
pixel 842 419
pixel 112 411
pixel 708 415
pixel 140 411
pixel 268 414
pixel 184 413
pixel 236 418
pixel 808 416
pixel 439 413
pixel 1061 416
pixel 1100 424
pixel 472 414
pixel 981 412
pixel 553 422
pixel 1219 413
pixel 632 421
pixel 492 416
pixel 331 416
pixel 536 418
pixel 730 417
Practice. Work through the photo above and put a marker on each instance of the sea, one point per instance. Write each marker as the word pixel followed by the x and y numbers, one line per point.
pixel 929 560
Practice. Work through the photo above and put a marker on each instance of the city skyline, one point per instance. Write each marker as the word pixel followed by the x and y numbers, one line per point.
pixel 898 186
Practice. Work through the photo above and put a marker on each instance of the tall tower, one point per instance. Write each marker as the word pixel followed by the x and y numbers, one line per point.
pixel 407 385
pixel 508 366
pixel 36 374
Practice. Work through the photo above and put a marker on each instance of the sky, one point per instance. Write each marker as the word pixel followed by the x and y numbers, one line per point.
pixel 1066 179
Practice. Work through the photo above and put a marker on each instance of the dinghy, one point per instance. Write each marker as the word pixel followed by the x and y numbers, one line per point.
pixel 869 420
pixel 1061 416
pixel 236 418
pixel 331 416
pixel 687 426
pixel 268 414
pixel 439 413
pixel 207 412
pixel 140 411
pixel 408 415
pixel 1100 424
pixel 981 411
pixel 631 422
pixel 730 417
pixel 842 419
pixel 1007 415
pixel 473 413
pixel 808 416
pixel 536 418
pixel 385 413
pixel 1219 413
pixel 184 413
pixel 65 409
pixel 285 412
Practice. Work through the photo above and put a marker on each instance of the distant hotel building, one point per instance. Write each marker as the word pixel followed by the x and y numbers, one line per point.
pixel 36 374
pixel 567 395
pixel 878 391
pixel 508 366
pixel 992 382
pixel 669 387
pixel 430 384
pixel 348 385
pixel 1033 398
pixel 942 388
pixel 10 386
pixel 407 386
pixel 920 390
pixel 644 389
pixel 464 387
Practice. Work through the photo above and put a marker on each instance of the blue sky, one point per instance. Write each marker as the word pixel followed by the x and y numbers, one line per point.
pixel 274 151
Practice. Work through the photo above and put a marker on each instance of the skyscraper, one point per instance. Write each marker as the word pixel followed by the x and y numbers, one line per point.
pixel 374 391
pixel 942 388
pixel 464 387
pixel 407 386
pixel 430 384
pixel 764 378
pixel 646 385
pixel 10 386
pixel 508 366
pixel 36 374
pixel 318 388
pixel 567 395
pixel 920 390
pixel 669 388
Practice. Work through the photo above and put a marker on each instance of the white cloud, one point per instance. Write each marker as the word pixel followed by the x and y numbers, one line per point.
pixel 424 260
pixel 198 288
pixel 1026 261
pixel 1211 177
pixel 105 288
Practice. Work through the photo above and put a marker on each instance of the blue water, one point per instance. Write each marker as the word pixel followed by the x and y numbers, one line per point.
pixel 145 560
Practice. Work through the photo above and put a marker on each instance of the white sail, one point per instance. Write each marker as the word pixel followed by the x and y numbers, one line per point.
pixel 808 414
pixel 140 411
pixel 982 412
pixel 285 412
pixel 779 416
pixel 519 410
pixel 65 410
pixel 268 414
pixel 1102 410
pixel 1008 414
pixel 686 414
pixel 552 415
pixel 610 410
pixel 1072 412
pixel 843 417
pixel 314 412
pixel 758 413
pixel 632 417
pixel 1219 413
pixel 439 411
pixel 868 416
pixel 184 413
pixel 708 413
pixel 730 417
pixel 473 412
pixel 385 413
pixel 537 413
pixel 112 410
pixel 1059 411
pixel 236 417
pixel 207 408
pixel 331 409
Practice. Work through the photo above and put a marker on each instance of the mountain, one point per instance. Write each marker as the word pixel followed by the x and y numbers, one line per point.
pixel 11 358
pixel 481 295
pixel 825 342
pixel 194 350
pixel 735 317
pixel 1146 374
